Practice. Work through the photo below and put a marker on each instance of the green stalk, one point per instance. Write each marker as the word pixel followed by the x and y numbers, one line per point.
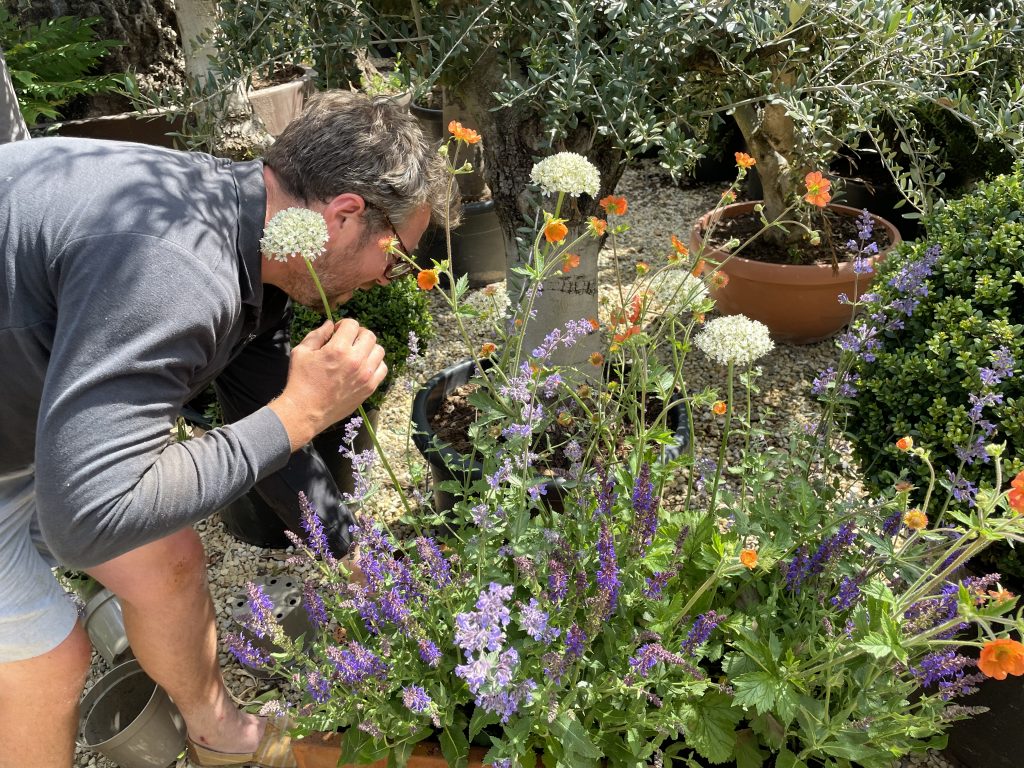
pixel 725 440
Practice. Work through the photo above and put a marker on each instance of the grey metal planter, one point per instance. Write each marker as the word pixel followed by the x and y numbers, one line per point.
pixel 104 623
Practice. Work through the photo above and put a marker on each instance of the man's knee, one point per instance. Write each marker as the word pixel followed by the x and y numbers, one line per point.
pixel 171 566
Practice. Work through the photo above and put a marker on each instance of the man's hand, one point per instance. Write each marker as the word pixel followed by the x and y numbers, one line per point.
pixel 334 369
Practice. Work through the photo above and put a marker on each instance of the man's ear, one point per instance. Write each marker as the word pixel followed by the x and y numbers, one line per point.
pixel 343 212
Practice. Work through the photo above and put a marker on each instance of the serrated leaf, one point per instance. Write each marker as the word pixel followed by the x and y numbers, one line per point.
pixel 748 751
pixel 877 645
pixel 710 725
pixel 756 689
pixel 575 740
pixel 455 747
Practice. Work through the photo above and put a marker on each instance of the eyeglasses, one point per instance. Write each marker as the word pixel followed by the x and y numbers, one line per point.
pixel 397 266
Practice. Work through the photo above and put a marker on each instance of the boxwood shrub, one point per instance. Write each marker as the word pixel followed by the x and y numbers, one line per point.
pixel 922 376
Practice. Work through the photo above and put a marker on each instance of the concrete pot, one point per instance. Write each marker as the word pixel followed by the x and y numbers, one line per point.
pixel 278 105
pixel 798 303
pixel 129 719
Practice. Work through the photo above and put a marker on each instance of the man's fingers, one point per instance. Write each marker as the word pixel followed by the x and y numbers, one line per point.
pixel 316 338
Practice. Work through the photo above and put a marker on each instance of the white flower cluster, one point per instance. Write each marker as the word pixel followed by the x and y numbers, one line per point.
pixel 566 172
pixel 735 339
pixel 676 290
pixel 294 232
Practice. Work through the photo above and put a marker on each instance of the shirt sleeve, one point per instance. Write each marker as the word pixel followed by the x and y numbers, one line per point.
pixel 253 378
pixel 139 321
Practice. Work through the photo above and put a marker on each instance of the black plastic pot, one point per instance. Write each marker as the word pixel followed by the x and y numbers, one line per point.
pixel 994 739
pixel 430 120
pixel 250 519
pixel 478 246
pixel 447 464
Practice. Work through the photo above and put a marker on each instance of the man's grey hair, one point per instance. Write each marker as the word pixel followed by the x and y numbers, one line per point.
pixel 347 142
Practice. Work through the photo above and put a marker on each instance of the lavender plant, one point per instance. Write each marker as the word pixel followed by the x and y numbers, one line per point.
pixel 767 611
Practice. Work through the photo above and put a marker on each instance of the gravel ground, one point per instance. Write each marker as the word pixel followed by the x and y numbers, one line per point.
pixel 658 208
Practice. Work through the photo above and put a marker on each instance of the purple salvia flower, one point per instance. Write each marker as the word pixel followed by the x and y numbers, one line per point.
pixel 701 630
pixel 438 569
pixel 606 493
pixel 558 580
pixel 961 488
pixel 316 537
pixel 656 583
pixel 645 511
pixel 261 621
pixel 430 653
pixel 574 642
pixel 892 524
pixel 314 605
pixel 416 699
pixel 356 664
pixel 534 622
pixel 318 687
pixel 608 569
pixel 849 593
pixel 245 652
pixel 573 451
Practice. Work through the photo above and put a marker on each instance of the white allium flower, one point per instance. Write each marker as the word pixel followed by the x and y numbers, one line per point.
pixel 566 172
pixel 294 232
pixel 735 339
pixel 676 290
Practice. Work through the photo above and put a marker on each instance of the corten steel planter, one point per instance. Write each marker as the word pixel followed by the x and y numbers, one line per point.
pixel 447 464
pixel 323 750
pixel 799 303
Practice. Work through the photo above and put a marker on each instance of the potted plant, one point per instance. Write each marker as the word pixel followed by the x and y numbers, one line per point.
pixel 767 611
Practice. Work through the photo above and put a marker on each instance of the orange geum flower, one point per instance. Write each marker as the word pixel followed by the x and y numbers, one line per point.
pixel 905 443
pixel 1001 595
pixel 745 161
pixel 680 249
pixel 915 520
pixel 719 280
pixel 817 189
pixel 598 226
pixel 427 279
pixel 462 133
pixel 749 558
pixel 594 325
pixel 729 196
pixel 596 359
pixel 1016 494
pixel 569 262
pixel 613 204
pixel 555 231
pixel 1002 657
pixel 719 407
pixel 633 330
pixel 698 268
pixel 487 349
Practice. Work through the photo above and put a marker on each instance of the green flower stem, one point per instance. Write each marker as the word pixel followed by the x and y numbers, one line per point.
pixel 320 288
pixel 708 583
pixel 725 440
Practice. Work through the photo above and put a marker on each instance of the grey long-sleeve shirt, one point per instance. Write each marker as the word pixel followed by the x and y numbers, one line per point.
pixel 130 279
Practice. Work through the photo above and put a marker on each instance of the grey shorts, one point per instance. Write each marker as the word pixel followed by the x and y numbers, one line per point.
pixel 35 613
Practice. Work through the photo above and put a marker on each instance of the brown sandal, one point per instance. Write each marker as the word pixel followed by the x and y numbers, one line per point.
pixel 273 751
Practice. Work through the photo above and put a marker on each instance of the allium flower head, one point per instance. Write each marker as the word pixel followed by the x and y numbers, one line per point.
pixel 566 172
pixel 735 339
pixel 294 232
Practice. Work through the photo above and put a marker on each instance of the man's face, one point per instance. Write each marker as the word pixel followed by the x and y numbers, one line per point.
pixel 357 262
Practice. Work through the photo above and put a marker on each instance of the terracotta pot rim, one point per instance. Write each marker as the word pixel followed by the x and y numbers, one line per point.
pixel 768 272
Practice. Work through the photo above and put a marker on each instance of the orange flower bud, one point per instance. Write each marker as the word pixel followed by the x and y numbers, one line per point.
pixel 698 268
pixel 903 486
pixel 1016 495
pixel 488 349
pixel 427 279
pixel 555 231
pixel 569 262
pixel 598 226
pixel 729 196
pixel 905 443
pixel 642 267
pixel 719 407
pixel 749 558
pixel 680 249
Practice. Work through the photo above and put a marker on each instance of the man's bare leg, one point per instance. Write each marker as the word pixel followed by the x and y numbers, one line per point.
pixel 45 689
pixel 169 617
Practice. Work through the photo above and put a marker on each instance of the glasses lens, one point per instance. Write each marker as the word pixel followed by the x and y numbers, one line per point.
pixel 399 268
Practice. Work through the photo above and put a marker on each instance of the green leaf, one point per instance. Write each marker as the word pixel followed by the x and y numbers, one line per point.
pixel 877 645
pixel 575 740
pixel 481 719
pixel 786 759
pixel 748 751
pixel 710 725
pixel 756 689
pixel 455 747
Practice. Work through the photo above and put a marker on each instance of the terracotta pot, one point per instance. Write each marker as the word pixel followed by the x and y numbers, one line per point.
pixel 323 750
pixel 278 105
pixel 798 303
